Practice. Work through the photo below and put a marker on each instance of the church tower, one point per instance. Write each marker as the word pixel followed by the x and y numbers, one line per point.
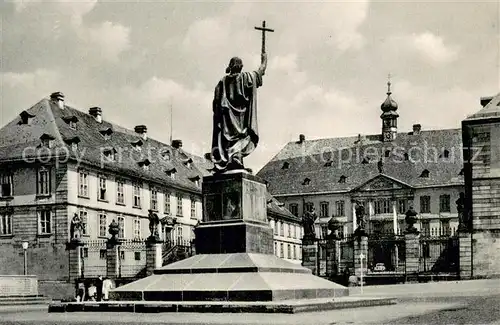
pixel 389 117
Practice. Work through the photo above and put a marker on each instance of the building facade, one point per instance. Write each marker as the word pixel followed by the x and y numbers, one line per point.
pixel 57 162
pixel 386 173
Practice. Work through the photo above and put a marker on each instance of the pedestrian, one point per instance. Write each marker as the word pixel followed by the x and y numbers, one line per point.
pixel 92 292
pixel 107 285
pixel 81 291
pixel 99 284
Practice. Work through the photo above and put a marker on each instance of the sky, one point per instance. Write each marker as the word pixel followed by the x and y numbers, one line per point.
pixel 328 63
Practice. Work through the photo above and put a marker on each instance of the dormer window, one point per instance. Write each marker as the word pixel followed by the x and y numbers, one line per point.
pixel 166 154
pixel 387 153
pixel 366 161
pixel 73 143
pixel 329 163
pixel 306 181
pixel 188 162
pixel 71 121
pixel 110 154
pixel 286 165
pixel 171 173
pixel 342 179
pixel 195 180
pixel 106 133
pixel 445 154
pixel 144 164
pixel 25 118
pixel 425 174
pixel 137 145
pixel 47 140
pixel 406 157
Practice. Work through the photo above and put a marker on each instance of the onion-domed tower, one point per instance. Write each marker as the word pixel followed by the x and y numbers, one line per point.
pixel 389 116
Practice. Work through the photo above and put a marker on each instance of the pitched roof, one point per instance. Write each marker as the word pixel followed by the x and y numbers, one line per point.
pixel 48 119
pixel 326 161
pixel 492 109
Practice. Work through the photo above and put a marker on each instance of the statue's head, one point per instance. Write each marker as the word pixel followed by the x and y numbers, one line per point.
pixel 235 65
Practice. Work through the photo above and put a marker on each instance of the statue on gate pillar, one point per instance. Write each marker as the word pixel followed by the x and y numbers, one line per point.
pixel 360 220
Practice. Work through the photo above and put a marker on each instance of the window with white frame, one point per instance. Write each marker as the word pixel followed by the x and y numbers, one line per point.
pixel 6 185
pixel 193 208
pixel 179 235
pixel 84 219
pixel 83 184
pixel 120 191
pixel 282 250
pixel 290 230
pixel 323 209
pixel 43 181
pixel 179 205
pixel 103 224
pixel 339 209
pixel 44 222
pixel 121 227
pixel 289 251
pixel 137 196
pixel 101 195
pixel 137 228
pixel 5 224
pixel 154 199
pixel 282 229
pixel 383 206
pixel 167 203
pixel 276 227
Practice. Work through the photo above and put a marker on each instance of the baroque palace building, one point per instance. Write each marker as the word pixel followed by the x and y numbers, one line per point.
pixel 57 161
pixel 387 173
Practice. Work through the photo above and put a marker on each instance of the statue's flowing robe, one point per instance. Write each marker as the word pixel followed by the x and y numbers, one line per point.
pixel 235 133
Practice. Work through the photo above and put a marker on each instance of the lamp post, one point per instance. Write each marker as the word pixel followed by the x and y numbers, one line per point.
pixel 25 248
pixel 361 257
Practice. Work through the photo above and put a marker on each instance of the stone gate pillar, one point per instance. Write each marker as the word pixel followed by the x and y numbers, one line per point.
pixel 412 254
pixel 154 258
pixel 465 254
pixel 310 254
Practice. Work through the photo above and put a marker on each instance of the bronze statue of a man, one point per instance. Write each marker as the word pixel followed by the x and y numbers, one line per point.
pixel 235 134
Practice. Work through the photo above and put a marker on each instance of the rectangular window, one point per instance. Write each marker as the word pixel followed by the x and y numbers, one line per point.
pixel 339 209
pixel 102 254
pixel 83 184
pixel 289 251
pixel 137 256
pixel 426 251
pixel 137 196
pixel 167 203
pixel 137 228
pixel 276 248
pixel 276 227
pixel 426 228
pixel 425 204
pixel 84 218
pixel 282 229
pixel 402 206
pixel 383 206
pixel 85 252
pixel 6 185
pixel 121 227
pixel 101 195
pixel 6 224
pixel 193 208
pixel 295 252
pixel 103 225
pixel 120 192
pixel 309 206
pixel 45 221
pixel 179 205
pixel 445 228
pixel 444 203
pixel 324 207
pixel 294 208
pixel 122 255
pixel 43 181
pixel 282 250
pixel 154 199
pixel 179 235
pixel 290 230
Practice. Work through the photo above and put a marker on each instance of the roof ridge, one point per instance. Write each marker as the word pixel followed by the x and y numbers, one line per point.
pixel 48 107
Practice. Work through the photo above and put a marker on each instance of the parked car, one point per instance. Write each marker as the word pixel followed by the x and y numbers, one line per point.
pixel 379 267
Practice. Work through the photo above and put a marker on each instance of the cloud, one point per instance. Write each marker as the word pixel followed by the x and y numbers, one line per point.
pixel 433 48
pixel 29 80
pixel 75 9
pixel 108 40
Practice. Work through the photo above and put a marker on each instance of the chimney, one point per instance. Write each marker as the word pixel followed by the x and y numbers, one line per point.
pixel 58 99
pixel 96 112
pixel 302 138
pixel 416 129
pixel 485 100
pixel 177 144
pixel 142 130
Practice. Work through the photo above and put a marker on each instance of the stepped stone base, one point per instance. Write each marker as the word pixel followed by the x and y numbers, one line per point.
pixel 230 277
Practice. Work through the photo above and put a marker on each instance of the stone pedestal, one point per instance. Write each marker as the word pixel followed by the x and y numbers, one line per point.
pixel 465 255
pixel 112 260
pixel 360 249
pixel 235 260
pixel 153 256
pixel 310 256
pixel 75 262
pixel 333 258
pixel 412 254
pixel 235 219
